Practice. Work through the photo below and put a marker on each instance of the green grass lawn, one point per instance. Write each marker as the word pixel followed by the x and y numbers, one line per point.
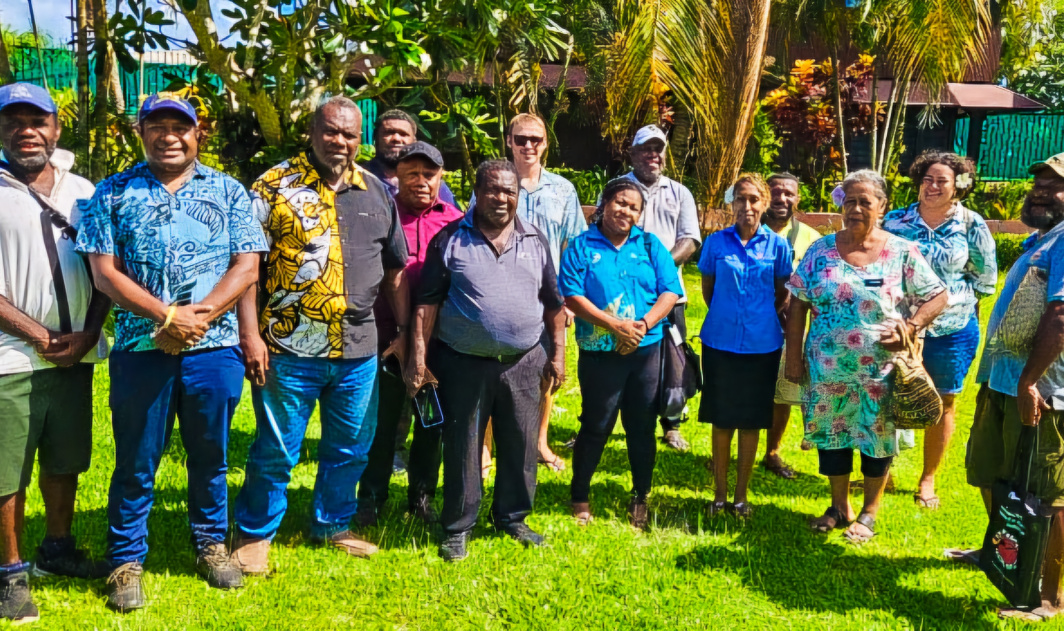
pixel 687 573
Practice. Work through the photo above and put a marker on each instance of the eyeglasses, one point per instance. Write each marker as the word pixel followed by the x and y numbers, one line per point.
pixel 521 140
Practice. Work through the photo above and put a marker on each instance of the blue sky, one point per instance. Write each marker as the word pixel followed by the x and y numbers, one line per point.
pixel 52 18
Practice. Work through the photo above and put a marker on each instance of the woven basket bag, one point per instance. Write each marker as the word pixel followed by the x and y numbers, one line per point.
pixel 1020 322
pixel 915 401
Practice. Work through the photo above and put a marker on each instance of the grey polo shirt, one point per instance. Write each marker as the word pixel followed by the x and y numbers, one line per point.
pixel 670 214
pixel 492 303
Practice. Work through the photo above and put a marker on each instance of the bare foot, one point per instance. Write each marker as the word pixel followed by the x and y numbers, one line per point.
pixel 1038 614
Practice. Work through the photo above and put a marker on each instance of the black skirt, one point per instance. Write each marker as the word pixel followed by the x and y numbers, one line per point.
pixel 739 388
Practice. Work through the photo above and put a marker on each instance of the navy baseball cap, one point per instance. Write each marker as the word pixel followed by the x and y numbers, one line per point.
pixel 167 101
pixel 422 149
pixel 29 94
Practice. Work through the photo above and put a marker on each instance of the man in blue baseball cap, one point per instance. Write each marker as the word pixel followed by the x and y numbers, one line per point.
pixel 50 321
pixel 183 248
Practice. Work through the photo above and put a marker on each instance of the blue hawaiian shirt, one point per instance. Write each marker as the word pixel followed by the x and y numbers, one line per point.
pixel 624 282
pixel 1001 367
pixel 961 251
pixel 742 316
pixel 175 245
pixel 553 207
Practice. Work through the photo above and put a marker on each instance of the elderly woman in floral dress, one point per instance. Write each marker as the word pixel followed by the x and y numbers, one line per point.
pixel 861 284
pixel 961 250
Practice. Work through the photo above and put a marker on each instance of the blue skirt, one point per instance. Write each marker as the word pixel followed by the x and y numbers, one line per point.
pixel 948 358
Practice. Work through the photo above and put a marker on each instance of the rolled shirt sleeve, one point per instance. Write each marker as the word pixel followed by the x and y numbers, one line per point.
pixel 95 231
pixel 573 271
pixel 664 267
pixel 919 280
pixel 981 270
pixel 687 224
pixel 245 231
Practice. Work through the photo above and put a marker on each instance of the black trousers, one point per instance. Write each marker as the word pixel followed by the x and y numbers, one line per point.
pixel 393 416
pixel 678 318
pixel 472 390
pixel 612 383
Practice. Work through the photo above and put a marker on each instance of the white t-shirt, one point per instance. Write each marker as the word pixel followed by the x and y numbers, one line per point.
pixel 25 272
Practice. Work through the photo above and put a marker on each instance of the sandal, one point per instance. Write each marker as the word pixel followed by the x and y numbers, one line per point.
pixel 742 510
pixel 554 465
pixel 778 467
pixel 716 508
pixel 930 503
pixel 1038 614
pixel 961 555
pixel 868 522
pixel 831 519
pixel 582 513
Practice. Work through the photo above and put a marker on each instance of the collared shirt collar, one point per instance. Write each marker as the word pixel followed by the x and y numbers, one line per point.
pixel 352 177
pixel 594 232
pixel 912 214
pixel 437 205
pixel 762 233
pixel 661 183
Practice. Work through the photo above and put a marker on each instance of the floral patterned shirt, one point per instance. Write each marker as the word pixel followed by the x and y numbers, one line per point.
pixel 845 401
pixel 175 245
pixel 961 251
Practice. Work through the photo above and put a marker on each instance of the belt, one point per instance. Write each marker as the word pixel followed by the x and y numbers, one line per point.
pixel 502 359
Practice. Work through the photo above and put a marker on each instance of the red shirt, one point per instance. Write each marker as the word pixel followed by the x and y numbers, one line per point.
pixel 419 229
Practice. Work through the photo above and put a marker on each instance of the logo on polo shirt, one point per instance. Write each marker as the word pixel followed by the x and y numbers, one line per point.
pixel 595 258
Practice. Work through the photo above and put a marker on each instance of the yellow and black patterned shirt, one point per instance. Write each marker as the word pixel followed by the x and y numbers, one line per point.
pixel 328 253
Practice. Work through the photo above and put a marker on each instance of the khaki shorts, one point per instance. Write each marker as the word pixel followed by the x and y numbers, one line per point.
pixel 45 413
pixel 992 446
pixel 787 392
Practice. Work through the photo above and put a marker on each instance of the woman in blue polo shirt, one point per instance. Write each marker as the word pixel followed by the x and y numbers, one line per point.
pixel 621 283
pixel 744 272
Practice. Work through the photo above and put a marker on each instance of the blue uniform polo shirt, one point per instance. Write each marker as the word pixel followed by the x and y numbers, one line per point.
pixel 742 317
pixel 624 282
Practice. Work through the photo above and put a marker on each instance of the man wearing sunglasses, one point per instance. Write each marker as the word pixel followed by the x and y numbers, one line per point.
pixel 671 216
pixel 549 202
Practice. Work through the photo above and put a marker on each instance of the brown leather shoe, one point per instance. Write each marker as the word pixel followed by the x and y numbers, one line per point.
pixel 638 515
pixel 350 543
pixel 251 556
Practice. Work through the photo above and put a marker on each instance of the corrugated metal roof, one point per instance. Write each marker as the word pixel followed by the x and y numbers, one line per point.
pixel 968 96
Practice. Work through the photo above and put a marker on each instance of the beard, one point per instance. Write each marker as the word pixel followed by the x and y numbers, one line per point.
pixel 390 156
pixel 1053 216
pixel 33 163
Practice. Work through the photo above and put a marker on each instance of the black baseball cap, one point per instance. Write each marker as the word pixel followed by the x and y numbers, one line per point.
pixel 423 149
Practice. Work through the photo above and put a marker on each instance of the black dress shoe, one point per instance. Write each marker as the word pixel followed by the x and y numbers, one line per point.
pixel 524 535
pixel 453 547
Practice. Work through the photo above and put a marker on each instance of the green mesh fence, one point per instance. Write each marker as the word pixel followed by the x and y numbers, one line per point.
pixel 1012 142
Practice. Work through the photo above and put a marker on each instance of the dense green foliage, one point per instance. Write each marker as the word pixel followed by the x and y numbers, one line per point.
pixel 1009 248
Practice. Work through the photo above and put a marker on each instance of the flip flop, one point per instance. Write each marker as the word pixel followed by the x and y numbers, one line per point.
pixel 742 510
pixel 716 508
pixel 1038 614
pixel 838 520
pixel 968 556
pixel 779 468
pixel 868 522
pixel 554 465
pixel 930 503
pixel 582 513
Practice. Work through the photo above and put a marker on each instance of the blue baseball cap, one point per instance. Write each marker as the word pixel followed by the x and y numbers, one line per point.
pixel 167 101
pixel 29 94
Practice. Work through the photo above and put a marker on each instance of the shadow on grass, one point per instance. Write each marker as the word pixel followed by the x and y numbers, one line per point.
pixel 777 555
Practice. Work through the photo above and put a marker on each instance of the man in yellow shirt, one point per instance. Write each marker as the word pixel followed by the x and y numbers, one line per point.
pixel 786 194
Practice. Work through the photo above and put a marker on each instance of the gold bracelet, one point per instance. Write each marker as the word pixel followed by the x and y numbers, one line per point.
pixel 169 317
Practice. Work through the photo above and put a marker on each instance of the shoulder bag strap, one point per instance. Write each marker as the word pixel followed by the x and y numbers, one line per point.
pixel 51 217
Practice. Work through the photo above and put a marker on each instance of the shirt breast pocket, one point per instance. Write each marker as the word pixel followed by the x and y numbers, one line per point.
pixel 640 271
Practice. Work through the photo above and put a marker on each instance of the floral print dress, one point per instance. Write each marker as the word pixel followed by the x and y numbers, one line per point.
pixel 846 399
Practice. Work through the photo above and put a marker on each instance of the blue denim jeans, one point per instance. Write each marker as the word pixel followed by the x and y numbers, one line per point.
pixel 347 391
pixel 148 389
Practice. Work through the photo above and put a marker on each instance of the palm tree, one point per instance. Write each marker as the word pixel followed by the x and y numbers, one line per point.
pixel 102 49
pixel 707 59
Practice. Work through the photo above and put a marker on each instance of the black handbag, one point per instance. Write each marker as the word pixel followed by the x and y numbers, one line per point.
pixel 680 376
pixel 1015 543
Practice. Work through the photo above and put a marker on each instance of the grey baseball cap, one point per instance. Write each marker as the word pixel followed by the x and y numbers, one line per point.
pixel 422 149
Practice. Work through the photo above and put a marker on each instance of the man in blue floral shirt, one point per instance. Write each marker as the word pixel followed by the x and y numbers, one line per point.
pixel 174 244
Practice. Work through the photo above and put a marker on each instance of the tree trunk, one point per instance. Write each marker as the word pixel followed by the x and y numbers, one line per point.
pixel 98 160
pixel 840 119
pixel 6 76
pixel 84 92
pixel 747 28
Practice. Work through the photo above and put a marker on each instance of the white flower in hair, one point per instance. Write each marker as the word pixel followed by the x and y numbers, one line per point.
pixel 963 181
pixel 729 195
pixel 838 196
